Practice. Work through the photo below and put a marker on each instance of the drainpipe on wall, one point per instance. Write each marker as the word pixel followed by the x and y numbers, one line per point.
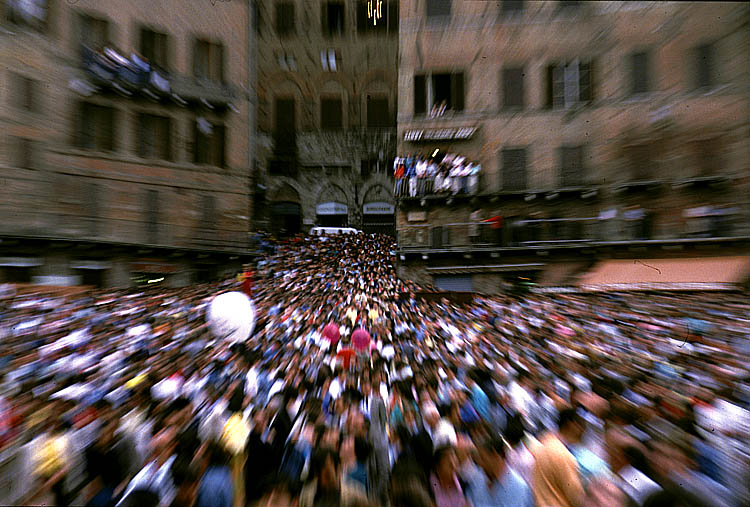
pixel 252 103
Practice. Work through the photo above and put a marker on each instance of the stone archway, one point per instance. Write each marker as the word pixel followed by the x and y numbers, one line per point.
pixel 286 211
pixel 378 210
pixel 332 207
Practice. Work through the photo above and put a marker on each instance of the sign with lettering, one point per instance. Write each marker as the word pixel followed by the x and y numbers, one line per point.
pixel 331 208
pixel 416 216
pixel 444 134
pixel 153 267
pixel 378 208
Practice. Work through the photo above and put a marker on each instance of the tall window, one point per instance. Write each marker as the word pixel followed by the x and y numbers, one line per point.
pixel 332 16
pixel 329 60
pixel 513 89
pixel 285 18
pixel 438 92
pixel 93 32
pixel 209 211
pixel 208 60
pixel 26 153
pixel 25 92
pixel 704 66
pixel 154 47
pixel 571 166
pixel 640 161
pixel 152 216
pixel 285 115
pixel 378 114
pixel 154 136
pixel 569 84
pixel 511 7
pixel 208 143
pixel 438 8
pixel 95 127
pixel 640 75
pixel 513 162
pixel 331 115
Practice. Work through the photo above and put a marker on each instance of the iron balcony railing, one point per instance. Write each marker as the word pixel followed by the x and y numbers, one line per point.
pixel 563 231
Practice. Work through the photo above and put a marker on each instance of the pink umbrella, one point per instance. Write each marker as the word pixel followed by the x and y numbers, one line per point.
pixel 361 339
pixel 331 332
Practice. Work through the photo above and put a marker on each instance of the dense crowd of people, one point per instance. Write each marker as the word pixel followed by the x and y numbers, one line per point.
pixel 449 174
pixel 355 391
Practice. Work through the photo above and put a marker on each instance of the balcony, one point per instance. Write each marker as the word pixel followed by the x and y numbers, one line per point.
pixel 542 234
pixel 108 70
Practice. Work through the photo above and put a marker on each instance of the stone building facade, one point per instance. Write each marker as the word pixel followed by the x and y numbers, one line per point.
pixel 600 127
pixel 126 140
pixel 327 99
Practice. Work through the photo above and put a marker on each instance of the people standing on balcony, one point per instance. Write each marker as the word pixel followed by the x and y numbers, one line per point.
pixel 421 171
pixel 474 178
pixel 432 169
pixel 398 173
pixel 411 174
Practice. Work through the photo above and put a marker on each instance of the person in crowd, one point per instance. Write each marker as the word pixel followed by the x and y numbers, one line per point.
pixel 119 395
pixel 328 486
pixel 446 487
pixel 494 482
pixel 556 479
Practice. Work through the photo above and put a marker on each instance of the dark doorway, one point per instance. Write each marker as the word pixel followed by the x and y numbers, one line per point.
pixel 286 218
pixel 15 274
pixel 91 277
pixel 379 224
pixel 332 220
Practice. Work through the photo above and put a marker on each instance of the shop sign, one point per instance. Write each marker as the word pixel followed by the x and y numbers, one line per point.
pixel 331 208
pixel 446 134
pixel 378 208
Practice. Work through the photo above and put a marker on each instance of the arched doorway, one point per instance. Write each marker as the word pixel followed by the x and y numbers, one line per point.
pixel 332 209
pixel 286 211
pixel 378 211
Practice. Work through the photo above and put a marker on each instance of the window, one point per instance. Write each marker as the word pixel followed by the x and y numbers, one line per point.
pixel 377 16
pixel 438 8
pixel 152 216
pixel 209 211
pixel 708 159
pixel 30 13
pixel 378 114
pixel 513 90
pixel 287 62
pixel 284 18
pixel 438 92
pixel 704 66
pixel 514 168
pixel 93 32
pixel 570 84
pixel 333 18
pixel 571 166
pixel 285 115
pixel 639 159
pixel 25 92
pixel 510 7
pixel 95 127
pixel 639 73
pixel 154 47
pixel 208 143
pixel 26 153
pixel 208 60
pixel 154 137
pixel 91 203
pixel 331 113
pixel 569 4
pixel 329 60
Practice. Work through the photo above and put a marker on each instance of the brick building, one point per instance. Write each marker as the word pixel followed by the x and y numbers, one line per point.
pixel 126 144
pixel 604 130
pixel 327 74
